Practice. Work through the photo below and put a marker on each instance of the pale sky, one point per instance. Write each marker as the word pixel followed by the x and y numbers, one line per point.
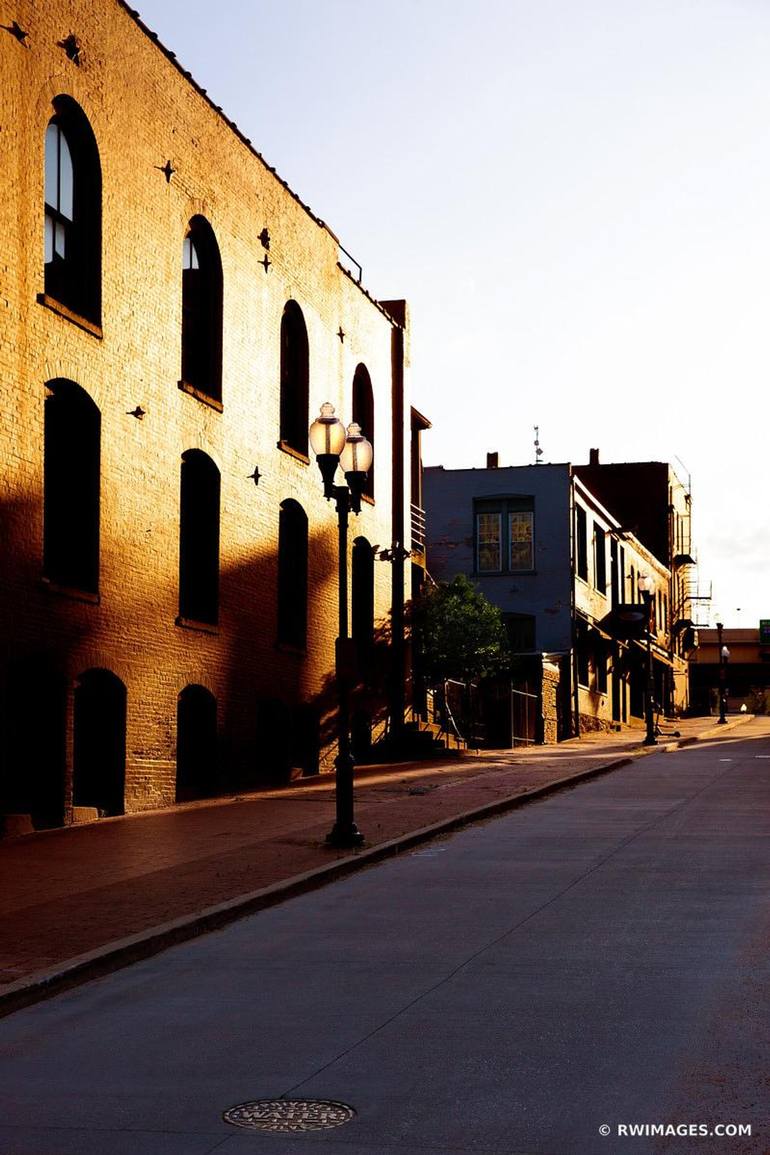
pixel 574 197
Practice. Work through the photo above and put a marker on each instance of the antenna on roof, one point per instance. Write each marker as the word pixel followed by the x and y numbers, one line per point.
pixel 538 450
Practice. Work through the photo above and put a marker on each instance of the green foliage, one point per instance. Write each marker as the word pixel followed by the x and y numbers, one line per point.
pixel 457 632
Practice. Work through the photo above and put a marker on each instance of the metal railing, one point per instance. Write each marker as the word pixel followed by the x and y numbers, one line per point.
pixel 418 529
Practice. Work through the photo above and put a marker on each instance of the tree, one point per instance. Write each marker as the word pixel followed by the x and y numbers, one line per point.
pixel 457 633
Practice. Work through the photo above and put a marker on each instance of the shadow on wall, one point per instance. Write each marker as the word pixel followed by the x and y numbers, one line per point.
pixel 280 721
pixel 249 711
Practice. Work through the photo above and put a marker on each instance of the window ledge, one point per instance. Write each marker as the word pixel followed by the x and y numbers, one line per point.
pixel 72 592
pixel 506 573
pixel 70 315
pixel 199 627
pixel 297 454
pixel 290 648
pixel 201 395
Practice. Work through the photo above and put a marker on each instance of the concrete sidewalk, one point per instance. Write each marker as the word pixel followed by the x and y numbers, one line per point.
pixel 81 901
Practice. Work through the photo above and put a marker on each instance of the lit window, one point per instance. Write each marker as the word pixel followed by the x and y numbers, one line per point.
pixel 521 525
pixel 505 535
pixel 488 542
pixel 202 311
pixel 58 193
pixel 73 192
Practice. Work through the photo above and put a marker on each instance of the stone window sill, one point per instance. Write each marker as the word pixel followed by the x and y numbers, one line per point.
pixel 72 592
pixel 297 454
pixel 198 627
pixel 201 395
pixel 70 315
pixel 289 648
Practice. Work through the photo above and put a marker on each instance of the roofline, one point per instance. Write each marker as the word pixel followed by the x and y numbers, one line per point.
pixel 420 419
pixel 188 76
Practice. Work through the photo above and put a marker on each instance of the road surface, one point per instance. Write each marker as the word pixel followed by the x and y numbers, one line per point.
pixel 598 959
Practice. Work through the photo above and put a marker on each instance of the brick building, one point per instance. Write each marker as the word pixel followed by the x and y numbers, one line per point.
pixel 172 317
pixel 656 504
pixel 746 672
pixel 541 546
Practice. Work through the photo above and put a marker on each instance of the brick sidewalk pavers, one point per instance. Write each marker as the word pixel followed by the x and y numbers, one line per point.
pixel 85 891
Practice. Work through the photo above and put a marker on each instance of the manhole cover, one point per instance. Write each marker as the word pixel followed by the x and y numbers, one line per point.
pixel 289 1114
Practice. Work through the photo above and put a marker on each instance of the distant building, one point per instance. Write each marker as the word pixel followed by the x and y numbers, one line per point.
pixel 747 671
pixel 173 317
pixel 650 499
pixel 542 546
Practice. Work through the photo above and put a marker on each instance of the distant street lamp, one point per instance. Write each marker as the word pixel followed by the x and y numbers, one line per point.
pixel 644 585
pixel 333 447
pixel 724 658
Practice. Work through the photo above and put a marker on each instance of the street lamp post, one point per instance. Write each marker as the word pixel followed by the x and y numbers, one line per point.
pixel 333 447
pixel 724 658
pixel 644 584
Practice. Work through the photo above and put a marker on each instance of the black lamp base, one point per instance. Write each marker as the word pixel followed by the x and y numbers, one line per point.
pixel 344 837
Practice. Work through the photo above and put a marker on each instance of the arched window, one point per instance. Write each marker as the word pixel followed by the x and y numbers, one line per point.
pixel 99 751
pixel 196 744
pixel 73 211
pixel 199 539
pixel 363 413
pixel 72 430
pixel 295 377
pixel 202 310
pixel 362 598
pixel 292 575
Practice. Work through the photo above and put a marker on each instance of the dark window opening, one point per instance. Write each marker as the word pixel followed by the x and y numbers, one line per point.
pixel 199 538
pixel 615 580
pixel 197 771
pixel 202 310
pixel 521 632
pixel 292 575
pixel 72 430
pixel 288 740
pixel 583 664
pixel 362 600
pixel 600 558
pixel 581 543
pixel 601 667
pixel 363 414
pixel 295 379
pixel 73 209
pixel 99 751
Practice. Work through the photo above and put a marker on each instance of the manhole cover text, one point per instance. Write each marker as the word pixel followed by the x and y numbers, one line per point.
pixel 289 1114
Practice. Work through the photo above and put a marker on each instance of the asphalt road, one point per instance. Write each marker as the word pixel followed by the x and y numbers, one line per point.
pixel 596 959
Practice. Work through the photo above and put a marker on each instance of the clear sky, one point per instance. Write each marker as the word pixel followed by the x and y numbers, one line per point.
pixel 573 195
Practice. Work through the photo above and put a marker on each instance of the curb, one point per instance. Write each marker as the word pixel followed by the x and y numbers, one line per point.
pixel 134 948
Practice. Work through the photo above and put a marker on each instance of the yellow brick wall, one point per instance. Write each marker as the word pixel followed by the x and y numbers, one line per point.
pixel 143 112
